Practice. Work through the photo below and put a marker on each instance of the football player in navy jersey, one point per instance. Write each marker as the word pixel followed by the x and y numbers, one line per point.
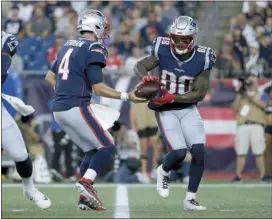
pixel 76 72
pixel 185 70
pixel 12 139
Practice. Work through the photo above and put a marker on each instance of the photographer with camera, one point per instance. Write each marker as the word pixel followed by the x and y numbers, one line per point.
pixel 250 107
pixel 127 162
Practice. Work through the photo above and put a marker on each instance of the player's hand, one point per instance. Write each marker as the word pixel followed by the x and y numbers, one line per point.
pixel 150 79
pixel 134 99
pixel 166 98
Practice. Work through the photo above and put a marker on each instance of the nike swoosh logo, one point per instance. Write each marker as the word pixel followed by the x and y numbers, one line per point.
pixel 12 38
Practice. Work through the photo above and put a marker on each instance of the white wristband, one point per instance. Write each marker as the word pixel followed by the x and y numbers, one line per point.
pixel 124 96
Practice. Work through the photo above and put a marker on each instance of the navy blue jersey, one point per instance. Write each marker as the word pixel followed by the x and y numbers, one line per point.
pixel 73 83
pixel 9 47
pixel 178 76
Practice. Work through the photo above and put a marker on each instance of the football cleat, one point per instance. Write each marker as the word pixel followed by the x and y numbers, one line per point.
pixel 193 205
pixel 84 205
pixel 162 183
pixel 236 179
pixel 41 200
pixel 89 192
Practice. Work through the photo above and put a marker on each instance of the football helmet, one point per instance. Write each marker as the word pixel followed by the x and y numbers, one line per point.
pixel 182 34
pixel 94 21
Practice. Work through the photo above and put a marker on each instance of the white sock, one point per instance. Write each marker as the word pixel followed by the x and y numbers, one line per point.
pixel 164 172
pixel 190 195
pixel 28 183
pixel 90 174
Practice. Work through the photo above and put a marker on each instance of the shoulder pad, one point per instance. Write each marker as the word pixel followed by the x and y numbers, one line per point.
pixel 210 56
pixel 159 42
pixel 9 43
pixel 98 47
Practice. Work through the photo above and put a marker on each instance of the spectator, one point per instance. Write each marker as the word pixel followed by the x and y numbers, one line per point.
pixel 14 24
pixel 78 6
pixel 25 11
pixel 144 123
pixel 72 32
pixel 62 142
pixel 128 146
pixel 119 80
pixel 250 109
pixel 170 12
pixel 125 47
pixel 247 30
pixel 53 51
pixel 268 26
pixel 254 63
pixel 39 25
pixel 239 45
pixel 63 22
pixel 17 63
pixel 131 61
pixel 266 50
pixel 226 61
pixel 151 29
pixel 114 61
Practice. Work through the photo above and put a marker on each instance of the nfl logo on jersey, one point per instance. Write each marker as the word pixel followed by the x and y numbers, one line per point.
pixel 180 63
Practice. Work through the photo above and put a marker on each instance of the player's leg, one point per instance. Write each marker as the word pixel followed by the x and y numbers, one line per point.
pixel 193 131
pixel 83 202
pixel 13 144
pixel 170 130
pixel 82 127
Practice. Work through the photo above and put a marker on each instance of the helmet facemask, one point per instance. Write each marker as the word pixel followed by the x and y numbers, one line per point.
pixel 182 44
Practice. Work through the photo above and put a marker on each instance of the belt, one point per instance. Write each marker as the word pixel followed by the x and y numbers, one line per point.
pixel 253 123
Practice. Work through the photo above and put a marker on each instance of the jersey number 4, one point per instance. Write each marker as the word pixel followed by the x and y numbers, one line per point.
pixel 64 65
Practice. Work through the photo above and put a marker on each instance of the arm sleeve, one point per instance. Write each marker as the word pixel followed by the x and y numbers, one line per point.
pixel 54 67
pixel 6 62
pixel 210 59
pixel 97 55
pixel 94 74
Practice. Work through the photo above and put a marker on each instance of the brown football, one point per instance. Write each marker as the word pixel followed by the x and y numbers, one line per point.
pixel 147 90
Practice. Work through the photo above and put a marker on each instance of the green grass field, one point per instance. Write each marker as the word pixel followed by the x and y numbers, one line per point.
pixel 222 200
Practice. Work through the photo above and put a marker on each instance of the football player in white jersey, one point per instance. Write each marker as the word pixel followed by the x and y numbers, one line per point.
pixel 12 140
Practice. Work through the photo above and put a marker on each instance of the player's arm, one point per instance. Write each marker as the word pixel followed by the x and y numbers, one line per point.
pixel 51 75
pixel 6 62
pixel 96 61
pixel 148 63
pixel 95 76
pixel 199 89
pixel 145 65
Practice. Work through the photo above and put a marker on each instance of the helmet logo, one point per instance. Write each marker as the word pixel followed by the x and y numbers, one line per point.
pixel 193 23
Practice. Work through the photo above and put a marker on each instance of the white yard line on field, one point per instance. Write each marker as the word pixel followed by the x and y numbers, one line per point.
pixel 112 185
pixel 121 202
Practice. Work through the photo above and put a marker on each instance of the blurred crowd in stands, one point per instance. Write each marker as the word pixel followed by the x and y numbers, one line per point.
pixel 248 45
pixel 42 27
